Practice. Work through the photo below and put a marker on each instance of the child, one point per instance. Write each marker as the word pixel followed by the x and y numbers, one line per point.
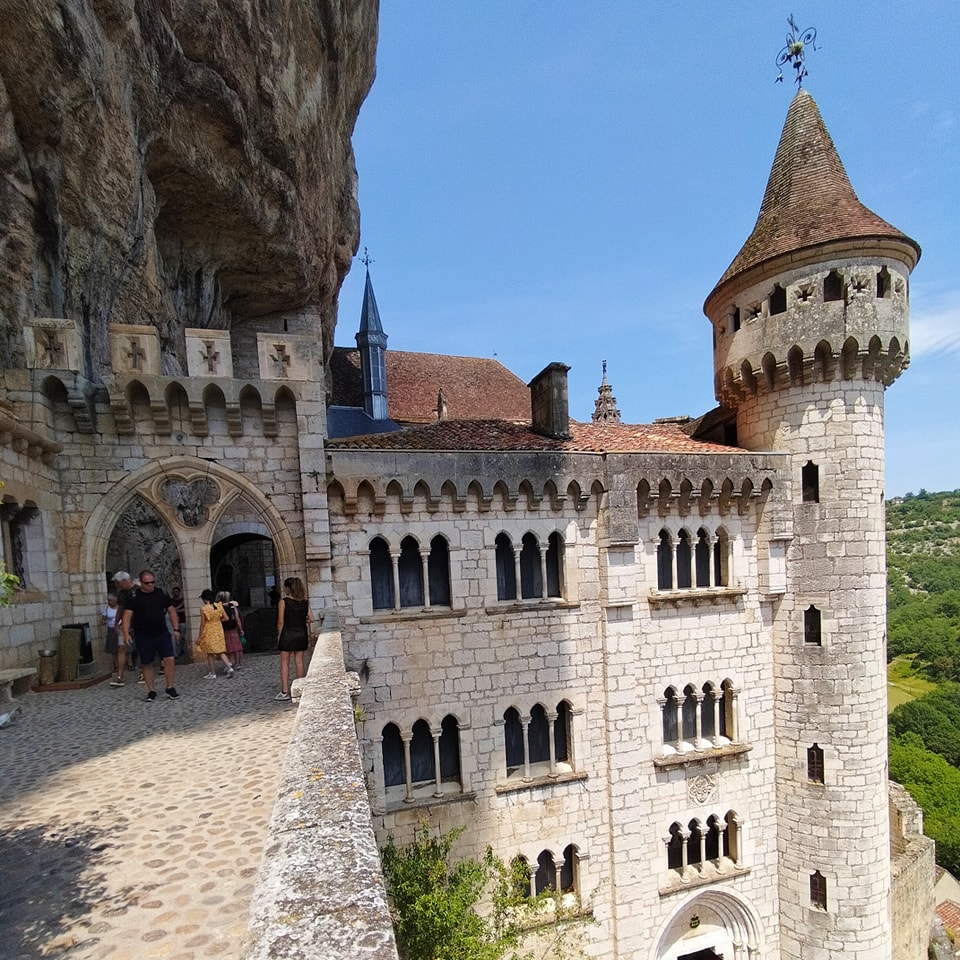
pixel 232 628
pixel 114 645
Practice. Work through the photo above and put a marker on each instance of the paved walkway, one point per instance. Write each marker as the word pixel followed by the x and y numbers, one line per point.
pixel 134 830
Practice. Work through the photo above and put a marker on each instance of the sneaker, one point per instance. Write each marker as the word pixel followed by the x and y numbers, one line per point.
pixel 151 696
pixel 209 676
pixel 116 682
pixel 229 672
pixel 172 693
pixel 282 696
pixel 140 679
pixel 237 666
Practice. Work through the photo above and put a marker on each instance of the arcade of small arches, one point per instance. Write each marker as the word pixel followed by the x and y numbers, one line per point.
pixel 706 847
pixel 824 364
pixel 698 718
pixel 537 743
pixel 684 564
pixel 193 406
pixel 681 493
pixel 548 872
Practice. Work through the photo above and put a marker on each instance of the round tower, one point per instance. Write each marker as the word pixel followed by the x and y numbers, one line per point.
pixel 810 325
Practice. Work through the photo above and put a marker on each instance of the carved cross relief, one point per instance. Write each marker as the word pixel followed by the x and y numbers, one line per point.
pixel 210 356
pixel 282 359
pixel 53 349
pixel 136 354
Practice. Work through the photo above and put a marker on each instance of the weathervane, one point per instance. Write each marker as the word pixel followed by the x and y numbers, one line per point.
pixel 366 259
pixel 793 52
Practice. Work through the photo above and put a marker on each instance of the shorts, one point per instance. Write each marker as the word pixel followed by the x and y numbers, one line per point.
pixel 111 645
pixel 150 647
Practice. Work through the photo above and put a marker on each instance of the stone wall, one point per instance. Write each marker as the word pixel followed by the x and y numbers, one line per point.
pixel 912 900
pixel 320 891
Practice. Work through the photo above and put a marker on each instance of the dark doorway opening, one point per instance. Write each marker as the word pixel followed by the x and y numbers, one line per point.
pixel 245 566
pixel 701 955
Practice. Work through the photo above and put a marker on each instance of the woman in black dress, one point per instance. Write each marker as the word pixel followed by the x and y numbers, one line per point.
pixel 293 619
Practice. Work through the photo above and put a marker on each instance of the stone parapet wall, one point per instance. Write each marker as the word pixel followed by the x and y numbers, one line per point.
pixel 912 899
pixel 320 892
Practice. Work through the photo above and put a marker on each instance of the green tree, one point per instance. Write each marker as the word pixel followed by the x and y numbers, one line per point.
pixel 435 902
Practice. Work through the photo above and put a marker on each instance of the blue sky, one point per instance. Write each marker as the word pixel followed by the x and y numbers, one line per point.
pixel 546 181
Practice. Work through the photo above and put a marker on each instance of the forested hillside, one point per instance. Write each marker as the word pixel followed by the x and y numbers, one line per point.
pixel 923 636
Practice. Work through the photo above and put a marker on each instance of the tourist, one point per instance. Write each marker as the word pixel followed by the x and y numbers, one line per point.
pixel 123 582
pixel 145 612
pixel 232 628
pixel 293 619
pixel 108 617
pixel 210 640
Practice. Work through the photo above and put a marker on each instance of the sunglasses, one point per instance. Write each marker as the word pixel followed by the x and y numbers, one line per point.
pixel 147 583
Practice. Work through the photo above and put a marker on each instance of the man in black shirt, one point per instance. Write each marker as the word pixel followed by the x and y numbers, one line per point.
pixel 145 612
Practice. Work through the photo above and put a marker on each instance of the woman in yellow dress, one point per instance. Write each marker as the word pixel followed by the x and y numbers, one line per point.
pixel 211 640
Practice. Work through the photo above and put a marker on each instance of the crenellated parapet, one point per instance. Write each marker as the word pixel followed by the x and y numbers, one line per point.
pixel 843 321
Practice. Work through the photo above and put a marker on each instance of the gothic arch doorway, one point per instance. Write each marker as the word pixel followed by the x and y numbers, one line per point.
pixel 709 926
pixel 245 565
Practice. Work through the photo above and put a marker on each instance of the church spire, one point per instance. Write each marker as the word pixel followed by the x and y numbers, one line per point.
pixel 605 407
pixel 372 344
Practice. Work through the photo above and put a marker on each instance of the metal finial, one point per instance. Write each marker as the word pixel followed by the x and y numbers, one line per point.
pixel 366 259
pixel 793 52
pixel 604 369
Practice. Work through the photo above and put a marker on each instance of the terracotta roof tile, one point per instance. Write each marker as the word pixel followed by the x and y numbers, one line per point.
pixel 809 199
pixel 949 913
pixel 462 435
pixel 473 387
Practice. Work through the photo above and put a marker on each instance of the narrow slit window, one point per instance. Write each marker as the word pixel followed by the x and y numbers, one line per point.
pixel 818 890
pixel 810 482
pixel 778 300
pixel 812 626
pixel 832 287
pixel 815 764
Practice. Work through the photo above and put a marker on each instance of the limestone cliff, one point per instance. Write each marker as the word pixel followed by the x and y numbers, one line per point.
pixel 177 162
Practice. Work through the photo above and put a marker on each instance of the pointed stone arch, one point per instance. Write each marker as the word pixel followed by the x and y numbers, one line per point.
pixel 724 922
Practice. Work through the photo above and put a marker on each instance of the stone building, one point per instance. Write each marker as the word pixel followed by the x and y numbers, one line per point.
pixel 645 660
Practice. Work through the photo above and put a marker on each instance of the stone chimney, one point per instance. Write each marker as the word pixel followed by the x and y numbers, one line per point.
pixel 549 401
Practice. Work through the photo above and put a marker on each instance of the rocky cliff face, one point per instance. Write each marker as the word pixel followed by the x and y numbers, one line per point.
pixel 177 162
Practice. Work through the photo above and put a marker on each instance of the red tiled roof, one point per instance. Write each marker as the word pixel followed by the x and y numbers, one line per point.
pixel 473 387
pixel 462 435
pixel 809 199
pixel 949 913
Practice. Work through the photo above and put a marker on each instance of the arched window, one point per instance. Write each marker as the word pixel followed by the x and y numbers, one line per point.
pixel 810 483
pixel 538 735
pixel 422 762
pixel 671 731
pixel 675 847
pixel 569 879
pixel 708 713
pixel 561 732
pixel 513 740
pixel 696 842
pixel 731 838
pixel 449 750
pixel 392 749
pixel 520 876
pixel 721 559
pixel 728 714
pixel 714 833
pixel 531 576
pixel 438 572
pixel 703 558
pixel 683 561
pixel 555 565
pixel 812 626
pixel 410 568
pixel 815 764
pixel 689 714
pixel 381 574
pixel 883 283
pixel 664 562
pixel 506 569
pixel 818 890
pixel 546 878
pixel 832 287
pixel 778 300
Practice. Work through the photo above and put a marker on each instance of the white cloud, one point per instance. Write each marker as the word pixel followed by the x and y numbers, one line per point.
pixel 935 324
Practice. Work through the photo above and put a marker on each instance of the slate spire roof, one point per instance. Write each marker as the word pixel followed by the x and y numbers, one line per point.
pixel 809 200
pixel 369 314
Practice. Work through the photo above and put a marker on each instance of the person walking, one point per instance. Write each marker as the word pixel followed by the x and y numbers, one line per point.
pixel 108 617
pixel 145 612
pixel 123 587
pixel 210 640
pixel 293 619
pixel 232 628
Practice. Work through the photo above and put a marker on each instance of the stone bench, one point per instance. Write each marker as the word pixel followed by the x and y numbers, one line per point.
pixel 9 679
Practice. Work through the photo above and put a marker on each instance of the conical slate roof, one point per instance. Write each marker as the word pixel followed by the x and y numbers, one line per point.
pixel 809 199
pixel 369 314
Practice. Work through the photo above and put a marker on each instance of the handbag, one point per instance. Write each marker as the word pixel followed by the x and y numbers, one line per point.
pixel 243 639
